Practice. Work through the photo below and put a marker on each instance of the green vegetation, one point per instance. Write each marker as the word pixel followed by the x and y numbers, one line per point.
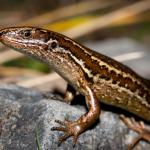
pixel 28 63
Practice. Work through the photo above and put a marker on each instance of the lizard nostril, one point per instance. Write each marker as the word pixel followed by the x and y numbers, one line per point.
pixel 1 33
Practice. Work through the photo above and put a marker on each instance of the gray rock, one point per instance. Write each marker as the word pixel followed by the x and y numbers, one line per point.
pixel 27 117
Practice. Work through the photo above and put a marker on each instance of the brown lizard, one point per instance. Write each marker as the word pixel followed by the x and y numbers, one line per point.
pixel 97 77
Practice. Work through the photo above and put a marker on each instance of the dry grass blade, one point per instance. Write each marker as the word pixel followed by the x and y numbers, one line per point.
pixel 94 24
pixel 39 80
pixel 14 72
pixel 68 11
pixel 48 82
pixel 109 19
pixel 83 7
pixel 8 55
pixel 14 75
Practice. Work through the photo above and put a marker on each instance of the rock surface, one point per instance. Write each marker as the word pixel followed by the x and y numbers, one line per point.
pixel 26 118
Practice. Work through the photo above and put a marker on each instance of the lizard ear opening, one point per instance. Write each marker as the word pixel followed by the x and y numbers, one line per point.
pixel 53 45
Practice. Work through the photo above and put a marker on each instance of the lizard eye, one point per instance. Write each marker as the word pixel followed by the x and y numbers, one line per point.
pixel 27 33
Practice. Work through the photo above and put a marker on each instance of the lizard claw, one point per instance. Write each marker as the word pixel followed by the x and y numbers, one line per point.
pixel 69 128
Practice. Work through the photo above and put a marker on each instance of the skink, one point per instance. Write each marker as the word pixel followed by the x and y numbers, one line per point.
pixel 97 77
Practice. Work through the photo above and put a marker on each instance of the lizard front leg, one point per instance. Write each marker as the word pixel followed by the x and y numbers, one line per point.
pixel 69 94
pixel 75 128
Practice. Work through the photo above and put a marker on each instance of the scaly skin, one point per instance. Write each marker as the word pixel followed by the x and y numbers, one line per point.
pixel 91 74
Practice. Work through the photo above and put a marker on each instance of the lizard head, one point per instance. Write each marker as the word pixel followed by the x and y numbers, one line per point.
pixel 35 42
pixel 48 46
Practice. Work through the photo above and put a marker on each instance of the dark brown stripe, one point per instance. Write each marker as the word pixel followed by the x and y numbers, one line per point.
pixel 103 71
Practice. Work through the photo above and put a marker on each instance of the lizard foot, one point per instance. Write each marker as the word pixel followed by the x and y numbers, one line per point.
pixel 70 129
pixel 138 127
